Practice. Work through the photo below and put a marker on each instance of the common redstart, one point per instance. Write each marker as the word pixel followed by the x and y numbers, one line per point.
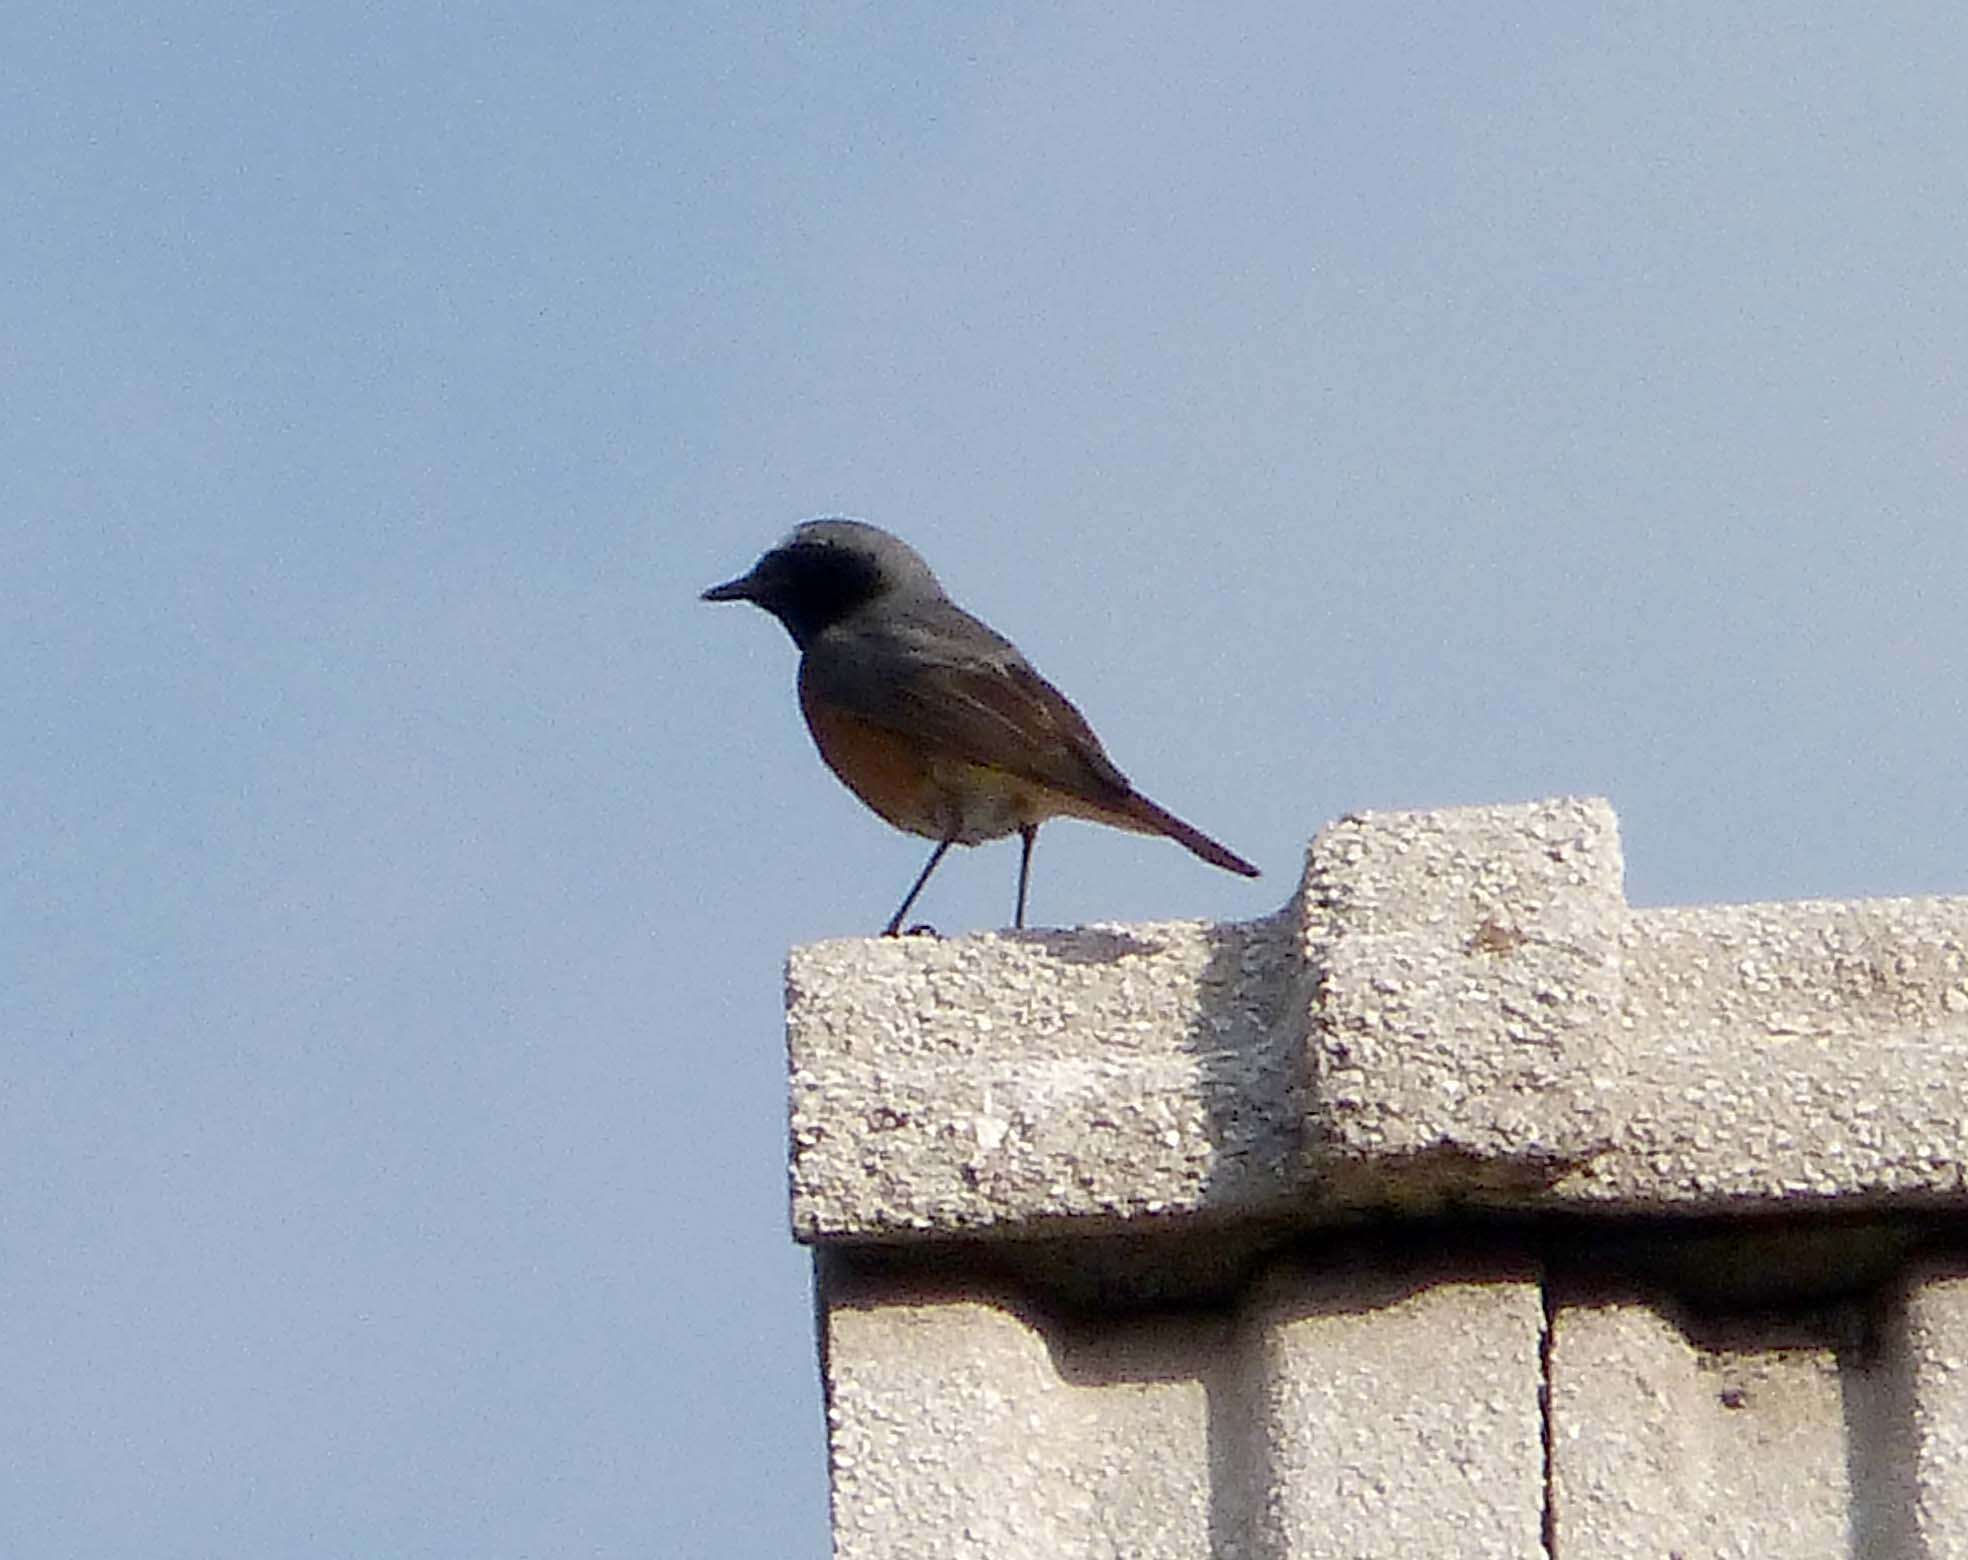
pixel 930 717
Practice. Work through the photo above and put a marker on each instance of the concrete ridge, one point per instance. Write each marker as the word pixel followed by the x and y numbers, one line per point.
pixel 1457 1008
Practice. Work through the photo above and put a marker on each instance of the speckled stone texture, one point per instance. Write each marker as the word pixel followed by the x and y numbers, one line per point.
pixel 1456 1008
pixel 1725 1443
pixel 973 1422
pixel 1099 1075
pixel 1926 1358
pixel 1456 1209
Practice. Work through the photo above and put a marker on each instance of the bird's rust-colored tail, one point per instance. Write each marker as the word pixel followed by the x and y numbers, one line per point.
pixel 1151 819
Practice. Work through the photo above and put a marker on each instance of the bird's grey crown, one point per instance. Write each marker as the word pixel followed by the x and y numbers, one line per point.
pixel 899 565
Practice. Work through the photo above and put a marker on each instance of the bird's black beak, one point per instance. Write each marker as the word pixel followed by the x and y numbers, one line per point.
pixel 740 589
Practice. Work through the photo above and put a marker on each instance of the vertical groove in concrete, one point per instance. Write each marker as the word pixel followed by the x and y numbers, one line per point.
pixel 1876 1374
pixel 1934 1352
pixel 1548 1517
pixel 1243 1462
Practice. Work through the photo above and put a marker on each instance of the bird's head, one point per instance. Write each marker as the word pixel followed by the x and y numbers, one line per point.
pixel 825 570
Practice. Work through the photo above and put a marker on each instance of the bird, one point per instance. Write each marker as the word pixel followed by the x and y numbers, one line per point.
pixel 932 718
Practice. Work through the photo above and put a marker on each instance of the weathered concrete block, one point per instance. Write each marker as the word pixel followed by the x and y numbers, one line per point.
pixel 1924 1461
pixel 1467 963
pixel 1382 1411
pixel 1661 1444
pixel 1099 1075
pixel 1092 1280
pixel 961 1426
pixel 1332 1414
pixel 1457 1008
pixel 1781 1053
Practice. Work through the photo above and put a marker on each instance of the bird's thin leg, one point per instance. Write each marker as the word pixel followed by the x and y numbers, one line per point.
pixel 894 927
pixel 1027 834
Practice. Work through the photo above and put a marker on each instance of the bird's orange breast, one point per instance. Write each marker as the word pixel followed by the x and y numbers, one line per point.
pixel 885 769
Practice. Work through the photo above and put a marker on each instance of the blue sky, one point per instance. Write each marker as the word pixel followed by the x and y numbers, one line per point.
pixel 1349 407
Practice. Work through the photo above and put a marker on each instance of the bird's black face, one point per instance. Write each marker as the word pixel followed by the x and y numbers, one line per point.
pixel 808 584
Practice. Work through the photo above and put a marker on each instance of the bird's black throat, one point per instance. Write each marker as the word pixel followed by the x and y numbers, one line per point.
pixel 811 587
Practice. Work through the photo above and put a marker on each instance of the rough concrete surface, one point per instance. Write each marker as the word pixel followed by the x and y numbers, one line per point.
pixel 962 1425
pixel 1103 1074
pixel 1927 1357
pixel 1457 1008
pixel 1380 1410
pixel 1457 1209
pixel 1665 1444
pixel 1464 963
pixel 1292 1425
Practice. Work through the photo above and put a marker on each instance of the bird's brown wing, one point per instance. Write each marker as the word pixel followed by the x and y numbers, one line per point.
pixel 936 677
pixel 964 691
